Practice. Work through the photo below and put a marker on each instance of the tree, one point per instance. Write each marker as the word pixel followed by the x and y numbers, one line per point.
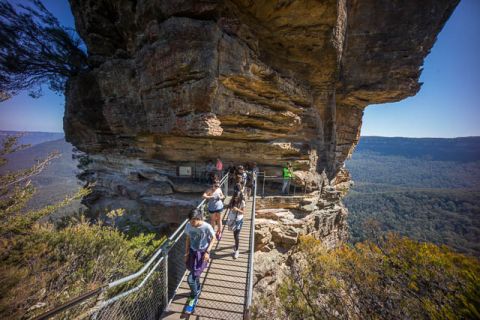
pixel 35 49
pixel 43 265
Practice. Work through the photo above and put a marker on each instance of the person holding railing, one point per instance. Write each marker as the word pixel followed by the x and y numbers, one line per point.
pixel 287 173
pixel 215 198
pixel 199 242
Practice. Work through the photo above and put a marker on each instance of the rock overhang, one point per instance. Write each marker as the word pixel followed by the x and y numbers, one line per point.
pixel 181 82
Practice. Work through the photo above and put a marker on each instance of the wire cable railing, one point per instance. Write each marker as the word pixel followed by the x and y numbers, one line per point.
pixel 134 297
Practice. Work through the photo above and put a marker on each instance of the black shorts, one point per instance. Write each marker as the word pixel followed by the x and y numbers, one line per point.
pixel 216 211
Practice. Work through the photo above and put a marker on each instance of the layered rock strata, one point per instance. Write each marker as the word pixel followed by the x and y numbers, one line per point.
pixel 174 83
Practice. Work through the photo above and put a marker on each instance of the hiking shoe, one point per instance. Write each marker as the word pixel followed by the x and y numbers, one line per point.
pixel 191 303
pixel 236 254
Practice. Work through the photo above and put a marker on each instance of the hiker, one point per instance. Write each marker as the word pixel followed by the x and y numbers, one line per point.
pixel 235 219
pixel 287 173
pixel 210 172
pixel 251 176
pixel 215 198
pixel 219 167
pixel 238 187
pixel 254 168
pixel 199 243
pixel 243 174
pixel 231 175
pixel 248 185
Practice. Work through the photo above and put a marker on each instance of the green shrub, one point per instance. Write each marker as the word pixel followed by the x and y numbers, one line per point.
pixel 51 266
pixel 396 279
pixel 42 266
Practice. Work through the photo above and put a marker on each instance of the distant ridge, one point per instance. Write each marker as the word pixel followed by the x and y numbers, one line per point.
pixel 463 149
pixel 33 137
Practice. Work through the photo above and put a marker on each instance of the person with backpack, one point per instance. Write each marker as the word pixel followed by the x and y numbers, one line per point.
pixel 215 197
pixel 235 219
pixel 199 242
pixel 287 173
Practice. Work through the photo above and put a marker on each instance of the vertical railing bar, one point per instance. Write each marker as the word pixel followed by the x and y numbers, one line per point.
pixel 251 255
pixel 165 284
pixel 263 186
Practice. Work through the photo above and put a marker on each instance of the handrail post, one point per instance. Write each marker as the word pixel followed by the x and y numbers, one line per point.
pixel 263 186
pixel 248 303
pixel 225 185
pixel 165 284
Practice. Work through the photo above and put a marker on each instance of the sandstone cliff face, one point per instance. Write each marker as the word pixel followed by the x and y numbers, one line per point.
pixel 177 82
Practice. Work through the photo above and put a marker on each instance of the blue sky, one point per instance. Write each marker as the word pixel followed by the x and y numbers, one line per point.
pixel 446 106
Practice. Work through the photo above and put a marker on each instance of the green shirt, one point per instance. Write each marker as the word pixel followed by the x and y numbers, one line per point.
pixel 287 173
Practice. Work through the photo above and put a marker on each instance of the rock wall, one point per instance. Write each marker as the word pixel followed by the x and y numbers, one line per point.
pixel 177 82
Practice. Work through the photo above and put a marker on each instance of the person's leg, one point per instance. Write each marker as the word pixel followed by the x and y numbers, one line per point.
pixel 220 224
pixel 236 236
pixel 288 185
pixel 213 219
pixel 193 284
pixel 198 284
pixel 284 187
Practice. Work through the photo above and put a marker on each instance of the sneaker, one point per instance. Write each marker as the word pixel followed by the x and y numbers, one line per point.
pixel 236 254
pixel 190 305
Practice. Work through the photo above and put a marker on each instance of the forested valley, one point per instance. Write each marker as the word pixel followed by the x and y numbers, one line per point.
pixel 427 189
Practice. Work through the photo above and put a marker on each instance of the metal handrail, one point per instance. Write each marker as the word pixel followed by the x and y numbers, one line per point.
pixel 167 245
pixel 69 304
pixel 164 247
pixel 251 256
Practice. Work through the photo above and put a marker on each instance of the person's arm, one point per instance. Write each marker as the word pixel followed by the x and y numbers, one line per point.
pixel 206 256
pixel 207 196
pixel 238 210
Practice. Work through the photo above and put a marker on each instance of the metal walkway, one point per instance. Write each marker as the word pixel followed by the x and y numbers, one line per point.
pixel 224 282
